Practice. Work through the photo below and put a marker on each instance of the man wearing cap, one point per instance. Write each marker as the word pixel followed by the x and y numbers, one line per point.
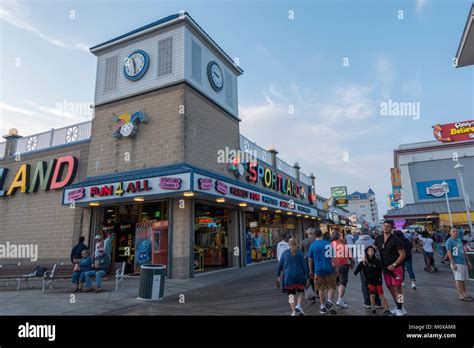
pixel 99 243
pixel 101 268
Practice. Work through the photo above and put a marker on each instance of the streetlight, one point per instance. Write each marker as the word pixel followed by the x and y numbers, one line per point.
pixel 445 188
pixel 460 169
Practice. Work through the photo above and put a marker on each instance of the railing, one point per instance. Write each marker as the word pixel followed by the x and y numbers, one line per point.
pixel 55 137
pixel 250 147
pixel 285 168
pixel 305 179
pixel 3 147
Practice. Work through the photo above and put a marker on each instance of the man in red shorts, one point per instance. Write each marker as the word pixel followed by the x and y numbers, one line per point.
pixel 392 253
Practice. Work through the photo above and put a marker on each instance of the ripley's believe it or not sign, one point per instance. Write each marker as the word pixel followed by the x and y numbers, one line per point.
pixel 52 175
pixel 451 132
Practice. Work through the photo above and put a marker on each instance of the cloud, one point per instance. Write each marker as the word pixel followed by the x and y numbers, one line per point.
pixel 420 4
pixel 15 21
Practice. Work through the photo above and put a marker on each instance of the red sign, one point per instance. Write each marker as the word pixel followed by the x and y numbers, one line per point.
pixel 450 132
pixel 204 184
pixel 76 194
pixel 170 183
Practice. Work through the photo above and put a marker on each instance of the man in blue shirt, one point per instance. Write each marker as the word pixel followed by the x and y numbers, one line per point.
pixel 322 271
pixel 458 260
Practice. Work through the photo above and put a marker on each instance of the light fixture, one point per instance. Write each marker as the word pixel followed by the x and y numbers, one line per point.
pixel 278 211
pixel 306 216
pixel 264 208
pixel 289 213
pixel 299 215
pixel 94 204
pixel 139 199
pixel 312 217
pixel 242 204
pixel 188 194
pixel 220 200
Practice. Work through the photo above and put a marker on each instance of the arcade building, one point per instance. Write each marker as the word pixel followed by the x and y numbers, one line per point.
pixel 149 170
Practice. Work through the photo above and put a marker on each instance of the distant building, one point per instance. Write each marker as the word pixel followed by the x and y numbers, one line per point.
pixel 364 205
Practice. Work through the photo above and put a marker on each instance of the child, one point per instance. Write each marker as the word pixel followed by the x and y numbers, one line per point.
pixel 372 269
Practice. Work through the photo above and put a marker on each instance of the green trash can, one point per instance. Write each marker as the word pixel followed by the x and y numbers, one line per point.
pixel 470 256
pixel 152 282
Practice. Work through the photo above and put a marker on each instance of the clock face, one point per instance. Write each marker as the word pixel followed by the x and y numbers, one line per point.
pixel 136 65
pixel 216 78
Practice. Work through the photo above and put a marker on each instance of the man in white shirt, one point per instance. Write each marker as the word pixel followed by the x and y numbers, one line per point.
pixel 282 246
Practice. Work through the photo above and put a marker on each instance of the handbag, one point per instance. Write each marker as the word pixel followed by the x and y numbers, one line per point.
pixel 309 293
pixel 77 267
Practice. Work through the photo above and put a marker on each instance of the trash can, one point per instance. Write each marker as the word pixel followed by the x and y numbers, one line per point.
pixel 152 282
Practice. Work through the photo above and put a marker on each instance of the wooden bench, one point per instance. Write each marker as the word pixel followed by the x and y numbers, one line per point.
pixel 23 272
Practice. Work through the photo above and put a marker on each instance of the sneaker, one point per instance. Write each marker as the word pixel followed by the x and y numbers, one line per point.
pixel 404 311
pixel 366 306
pixel 393 311
pixel 387 313
pixel 299 310
pixel 98 290
pixel 399 313
pixel 330 308
pixel 323 310
pixel 377 306
pixel 341 303
pixel 88 290
pixel 374 312
pixel 413 285
pixel 77 290
pixel 293 314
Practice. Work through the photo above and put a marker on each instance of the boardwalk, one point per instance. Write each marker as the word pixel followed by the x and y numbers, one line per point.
pixel 252 292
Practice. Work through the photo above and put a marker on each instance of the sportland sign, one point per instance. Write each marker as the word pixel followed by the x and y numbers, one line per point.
pixel 452 132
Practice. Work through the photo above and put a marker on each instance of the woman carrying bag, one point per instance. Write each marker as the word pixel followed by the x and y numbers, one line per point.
pixel 294 274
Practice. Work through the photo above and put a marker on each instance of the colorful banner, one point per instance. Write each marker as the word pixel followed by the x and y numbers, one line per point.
pixel 459 131
pixel 339 194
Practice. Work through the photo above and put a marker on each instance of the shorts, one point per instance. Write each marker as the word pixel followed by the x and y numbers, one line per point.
pixel 394 281
pixel 375 289
pixel 343 275
pixel 428 253
pixel 325 282
pixel 461 273
pixel 293 289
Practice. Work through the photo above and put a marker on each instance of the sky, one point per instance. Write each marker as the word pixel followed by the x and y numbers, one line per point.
pixel 318 77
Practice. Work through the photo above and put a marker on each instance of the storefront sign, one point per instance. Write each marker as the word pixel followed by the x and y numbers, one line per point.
pixel 205 184
pixel 54 175
pixel 127 124
pixel 339 195
pixel 434 190
pixel 269 200
pixel 127 189
pixel 221 187
pixel 452 132
pixel 272 180
pixel 304 209
pixel 170 183
pixel 239 192
pixel 289 205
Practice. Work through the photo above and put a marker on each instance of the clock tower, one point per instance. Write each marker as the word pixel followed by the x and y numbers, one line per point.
pixel 165 93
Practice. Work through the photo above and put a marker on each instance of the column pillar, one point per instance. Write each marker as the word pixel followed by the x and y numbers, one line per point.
pixel 182 238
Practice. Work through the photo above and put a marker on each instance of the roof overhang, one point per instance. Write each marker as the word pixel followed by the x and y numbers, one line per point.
pixel 465 53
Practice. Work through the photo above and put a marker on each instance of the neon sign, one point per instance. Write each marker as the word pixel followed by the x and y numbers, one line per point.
pixel 272 180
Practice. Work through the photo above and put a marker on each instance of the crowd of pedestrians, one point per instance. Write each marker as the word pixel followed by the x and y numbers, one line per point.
pixel 320 269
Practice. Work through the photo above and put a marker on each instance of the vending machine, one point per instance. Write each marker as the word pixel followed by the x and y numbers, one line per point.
pixel 151 243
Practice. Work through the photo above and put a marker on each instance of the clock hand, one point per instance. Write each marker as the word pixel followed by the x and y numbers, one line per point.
pixel 214 73
pixel 134 67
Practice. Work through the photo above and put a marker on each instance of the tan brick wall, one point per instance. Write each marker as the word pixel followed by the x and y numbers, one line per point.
pixel 39 218
pixel 208 129
pixel 183 234
pixel 160 142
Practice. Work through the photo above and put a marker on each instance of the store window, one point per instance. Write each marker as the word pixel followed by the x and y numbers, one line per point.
pixel 139 233
pixel 211 238
pixel 263 233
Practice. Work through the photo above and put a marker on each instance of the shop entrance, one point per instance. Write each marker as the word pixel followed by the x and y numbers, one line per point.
pixel 139 233
pixel 213 238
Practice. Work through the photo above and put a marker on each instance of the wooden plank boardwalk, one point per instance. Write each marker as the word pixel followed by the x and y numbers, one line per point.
pixel 253 292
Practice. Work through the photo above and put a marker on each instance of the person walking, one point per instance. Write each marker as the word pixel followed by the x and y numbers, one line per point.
pixel 76 252
pixel 108 244
pixel 372 271
pixel 427 243
pixel 407 263
pixel 305 248
pixel 322 270
pixel 459 263
pixel 282 246
pixel 361 244
pixel 342 263
pixel 392 254
pixel 294 273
